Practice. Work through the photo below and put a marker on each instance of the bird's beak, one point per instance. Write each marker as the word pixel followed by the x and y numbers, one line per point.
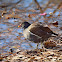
pixel 19 25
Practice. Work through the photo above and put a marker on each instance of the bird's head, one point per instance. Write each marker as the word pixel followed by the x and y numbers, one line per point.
pixel 24 25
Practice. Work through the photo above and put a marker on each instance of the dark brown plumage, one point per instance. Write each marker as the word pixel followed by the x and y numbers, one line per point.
pixel 36 32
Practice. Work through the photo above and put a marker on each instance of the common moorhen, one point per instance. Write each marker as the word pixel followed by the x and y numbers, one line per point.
pixel 36 32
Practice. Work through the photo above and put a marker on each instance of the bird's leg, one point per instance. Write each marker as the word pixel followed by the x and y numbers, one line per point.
pixel 37 46
pixel 42 46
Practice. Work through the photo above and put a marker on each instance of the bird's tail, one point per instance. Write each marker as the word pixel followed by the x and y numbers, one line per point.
pixel 54 34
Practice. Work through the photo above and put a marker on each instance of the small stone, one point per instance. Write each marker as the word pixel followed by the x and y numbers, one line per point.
pixel 35 59
pixel 60 59
pixel 38 58
pixel 28 57
pixel 41 53
pixel 32 55
pixel 37 54
pixel 20 57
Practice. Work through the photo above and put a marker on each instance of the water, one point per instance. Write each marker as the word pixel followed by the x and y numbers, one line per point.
pixel 10 35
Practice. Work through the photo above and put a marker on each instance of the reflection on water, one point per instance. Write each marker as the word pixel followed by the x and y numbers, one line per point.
pixel 8 1
pixel 10 35
pixel 3 27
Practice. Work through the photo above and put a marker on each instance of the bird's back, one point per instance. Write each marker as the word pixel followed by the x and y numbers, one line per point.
pixel 38 33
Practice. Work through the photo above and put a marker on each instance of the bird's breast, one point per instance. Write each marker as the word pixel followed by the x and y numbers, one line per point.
pixel 26 33
pixel 31 36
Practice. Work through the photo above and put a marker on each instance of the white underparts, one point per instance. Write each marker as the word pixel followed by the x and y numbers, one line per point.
pixel 27 33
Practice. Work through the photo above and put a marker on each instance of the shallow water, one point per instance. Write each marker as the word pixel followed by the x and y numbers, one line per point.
pixel 14 13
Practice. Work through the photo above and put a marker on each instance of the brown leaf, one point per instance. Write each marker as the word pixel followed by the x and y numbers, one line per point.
pixel 49 44
pixel 55 23
pixel 61 28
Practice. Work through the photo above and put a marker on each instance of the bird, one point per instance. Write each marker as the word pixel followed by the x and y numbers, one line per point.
pixel 36 32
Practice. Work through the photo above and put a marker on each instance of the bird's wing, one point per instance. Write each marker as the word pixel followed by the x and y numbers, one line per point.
pixel 39 30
